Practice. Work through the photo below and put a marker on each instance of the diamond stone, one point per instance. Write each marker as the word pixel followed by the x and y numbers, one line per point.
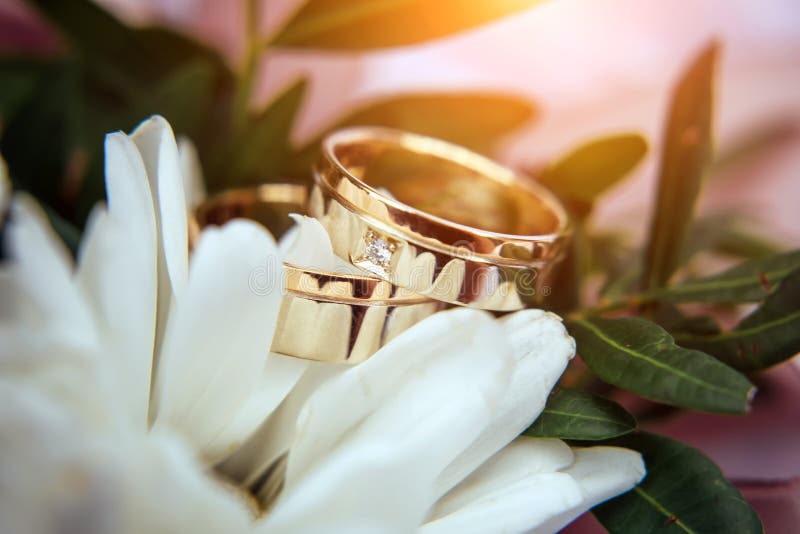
pixel 378 251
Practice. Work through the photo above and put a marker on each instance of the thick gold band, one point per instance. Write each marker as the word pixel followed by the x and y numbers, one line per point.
pixel 436 218
pixel 324 316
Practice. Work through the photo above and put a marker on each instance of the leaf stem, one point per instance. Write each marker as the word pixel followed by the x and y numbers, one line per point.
pixel 244 87
pixel 658 506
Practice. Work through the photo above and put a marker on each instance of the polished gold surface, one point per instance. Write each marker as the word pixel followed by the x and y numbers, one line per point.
pixel 436 218
pixel 268 204
pixel 324 316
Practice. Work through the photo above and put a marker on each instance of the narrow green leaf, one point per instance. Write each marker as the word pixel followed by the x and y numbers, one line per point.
pixel 730 234
pixel 686 159
pixel 756 143
pixel 181 95
pixel 640 356
pixel 594 167
pixel 748 282
pixel 683 492
pixel 742 242
pixel 366 24
pixel 573 414
pixel 768 336
pixel 474 120
pixel 259 153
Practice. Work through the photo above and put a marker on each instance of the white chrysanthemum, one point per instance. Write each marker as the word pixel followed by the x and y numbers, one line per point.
pixel 137 393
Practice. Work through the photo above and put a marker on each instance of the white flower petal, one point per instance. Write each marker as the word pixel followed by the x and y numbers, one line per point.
pixel 42 269
pixel 156 144
pixel 42 483
pixel 377 484
pixel 278 377
pixel 11 299
pixel 274 437
pixel 166 490
pixel 512 508
pixel 117 271
pixel 159 151
pixel 449 369
pixel 287 240
pixel 601 473
pixel 218 337
pixel 70 376
pixel 58 476
pixel 194 189
pixel 310 246
pixel 521 459
pixel 519 488
pixel 541 348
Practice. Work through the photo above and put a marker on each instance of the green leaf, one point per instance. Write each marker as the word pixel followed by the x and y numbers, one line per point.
pixel 619 263
pixel 475 120
pixel 686 159
pixel 768 336
pixel 677 323
pixel 18 82
pixel 180 95
pixel 39 141
pixel 593 168
pixel 756 143
pixel 259 153
pixel 683 492
pixel 119 75
pixel 748 282
pixel 640 356
pixel 366 24
pixel 573 414
pixel 126 58
pixel 730 234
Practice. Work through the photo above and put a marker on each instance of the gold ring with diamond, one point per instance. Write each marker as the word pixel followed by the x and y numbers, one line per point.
pixel 436 218
pixel 324 316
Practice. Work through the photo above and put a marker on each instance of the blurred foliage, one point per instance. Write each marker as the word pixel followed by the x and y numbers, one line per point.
pixel 370 24
pixel 625 306
pixel 475 120
pixel 108 77
pixel 727 234
pixel 590 170
pixel 686 158
pixel 769 335
pixel 750 281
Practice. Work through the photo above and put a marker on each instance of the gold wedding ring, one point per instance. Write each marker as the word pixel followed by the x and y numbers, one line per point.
pixel 324 316
pixel 437 219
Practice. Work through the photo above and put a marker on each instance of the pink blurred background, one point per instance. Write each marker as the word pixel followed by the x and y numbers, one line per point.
pixel 593 68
